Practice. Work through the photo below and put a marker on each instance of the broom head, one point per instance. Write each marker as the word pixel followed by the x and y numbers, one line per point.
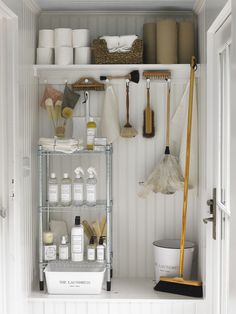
pixel 178 285
pixel 128 131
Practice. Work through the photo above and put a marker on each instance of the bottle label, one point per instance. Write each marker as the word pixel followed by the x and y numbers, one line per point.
pixel 78 192
pixel 91 193
pixel 91 254
pixel 53 193
pixel 100 254
pixel 63 253
pixel 90 135
pixel 66 192
pixel 50 252
pixel 76 243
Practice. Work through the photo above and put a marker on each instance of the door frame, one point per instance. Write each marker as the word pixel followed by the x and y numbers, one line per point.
pixel 12 215
pixel 211 267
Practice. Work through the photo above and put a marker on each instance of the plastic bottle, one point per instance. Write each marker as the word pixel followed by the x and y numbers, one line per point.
pixel 100 251
pixel 91 187
pixel 78 187
pixel 53 190
pixel 66 190
pixel 91 250
pixel 91 133
pixel 63 249
pixel 77 241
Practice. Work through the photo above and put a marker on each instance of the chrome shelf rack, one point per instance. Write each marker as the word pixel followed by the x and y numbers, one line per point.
pixel 103 204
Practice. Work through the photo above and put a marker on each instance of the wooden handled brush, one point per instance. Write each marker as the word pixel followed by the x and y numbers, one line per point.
pixel 132 77
pixel 148 116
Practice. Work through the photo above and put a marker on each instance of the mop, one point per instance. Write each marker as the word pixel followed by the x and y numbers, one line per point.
pixel 179 285
pixel 167 177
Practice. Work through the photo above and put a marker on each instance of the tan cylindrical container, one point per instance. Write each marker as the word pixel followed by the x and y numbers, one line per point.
pixel 149 43
pixel 166 43
pixel 186 41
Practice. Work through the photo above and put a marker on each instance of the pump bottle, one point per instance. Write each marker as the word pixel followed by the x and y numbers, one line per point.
pixel 78 187
pixel 91 187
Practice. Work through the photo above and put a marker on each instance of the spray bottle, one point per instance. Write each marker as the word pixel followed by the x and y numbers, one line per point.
pixel 91 187
pixel 78 187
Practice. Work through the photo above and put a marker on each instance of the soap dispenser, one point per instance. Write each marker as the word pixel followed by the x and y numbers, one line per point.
pixel 78 187
pixel 91 187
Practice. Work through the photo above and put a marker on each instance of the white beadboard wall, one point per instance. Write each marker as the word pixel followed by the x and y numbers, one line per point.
pixel 136 222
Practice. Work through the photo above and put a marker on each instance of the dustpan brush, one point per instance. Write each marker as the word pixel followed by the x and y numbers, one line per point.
pixel 179 285
pixel 128 130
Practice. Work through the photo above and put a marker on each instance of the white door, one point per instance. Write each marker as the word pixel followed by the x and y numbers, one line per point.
pixel 218 160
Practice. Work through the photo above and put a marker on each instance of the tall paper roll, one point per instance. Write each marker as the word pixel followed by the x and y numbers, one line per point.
pixel 81 38
pixel 83 55
pixel 149 42
pixel 186 41
pixel 166 48
pixel 46 38
pixel 63 37
pixel 44 55
pixel 64 55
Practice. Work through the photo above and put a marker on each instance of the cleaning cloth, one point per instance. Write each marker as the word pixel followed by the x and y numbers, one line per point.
pixel 57 145
pixel 52 93
pixel 179 123
pixel 70 99
pixel 110 127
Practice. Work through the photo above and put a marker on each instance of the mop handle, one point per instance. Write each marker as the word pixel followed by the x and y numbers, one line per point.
pixel 168 115
pixel 187 163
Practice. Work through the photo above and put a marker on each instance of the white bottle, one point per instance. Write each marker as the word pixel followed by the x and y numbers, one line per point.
pixel 100 251
pixel 66 190
pixel 78 187
pixel 53 190
pixel 91 250
pixel 77 241
pixel 91 187
pixel 63 249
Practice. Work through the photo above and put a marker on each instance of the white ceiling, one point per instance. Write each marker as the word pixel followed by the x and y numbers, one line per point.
pixel 133 5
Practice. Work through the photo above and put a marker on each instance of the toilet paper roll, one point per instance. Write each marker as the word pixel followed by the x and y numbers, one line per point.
pixel 149 41
pixel 166 43
pixel 186 41
pixel 44 56
pixel 46 38
pixel 81 38
pixel 83 55
pixel 63 37
pixel 64 55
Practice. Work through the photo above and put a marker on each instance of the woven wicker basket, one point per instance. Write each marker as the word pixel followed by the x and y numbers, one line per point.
pixel 103 56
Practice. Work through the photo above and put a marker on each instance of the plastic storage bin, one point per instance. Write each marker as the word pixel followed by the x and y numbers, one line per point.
pixel 74 278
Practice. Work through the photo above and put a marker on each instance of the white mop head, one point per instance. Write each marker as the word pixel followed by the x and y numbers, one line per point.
pixel 166 178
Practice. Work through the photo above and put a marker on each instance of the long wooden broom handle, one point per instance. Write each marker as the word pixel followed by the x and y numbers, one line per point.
pixel 187 163
pixel 127 102
pixel 168 115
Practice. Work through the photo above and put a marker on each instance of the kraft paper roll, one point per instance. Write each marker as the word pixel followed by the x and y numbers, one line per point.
pixel 186 41
pixel 149 41
pixel 166 43
pixel 46 38
pixel 63 37
pixel 64 55
pixel 83 55
pixel 44 56
pixel 81 38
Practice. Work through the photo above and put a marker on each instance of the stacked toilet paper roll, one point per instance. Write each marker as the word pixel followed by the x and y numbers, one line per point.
pixel 63 46
pixel 81 45
pixel 45 46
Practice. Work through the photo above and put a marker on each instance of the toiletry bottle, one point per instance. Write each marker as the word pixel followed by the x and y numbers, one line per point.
pixel 53 190
pixel 100 251
pixel 78 187
pixel 66 190
pixel 63 249
pixel 91 250
pixel 91 187
pixel 91 133
pixel 77 241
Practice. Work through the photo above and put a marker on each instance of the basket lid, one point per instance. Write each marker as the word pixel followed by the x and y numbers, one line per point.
pixel 173 244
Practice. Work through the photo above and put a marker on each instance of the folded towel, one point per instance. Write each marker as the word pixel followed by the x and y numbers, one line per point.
pixel 119 43
pixel 112 41
pixel 110 126
pixel 57 145
pixel 127 40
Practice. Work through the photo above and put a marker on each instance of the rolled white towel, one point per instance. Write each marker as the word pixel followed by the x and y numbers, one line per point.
pixel 127 41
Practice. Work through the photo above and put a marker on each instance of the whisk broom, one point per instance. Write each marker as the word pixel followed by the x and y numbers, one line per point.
pixel 167 177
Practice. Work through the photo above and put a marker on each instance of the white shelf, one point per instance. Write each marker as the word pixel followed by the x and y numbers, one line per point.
pixel 123 290
pixel 59 74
